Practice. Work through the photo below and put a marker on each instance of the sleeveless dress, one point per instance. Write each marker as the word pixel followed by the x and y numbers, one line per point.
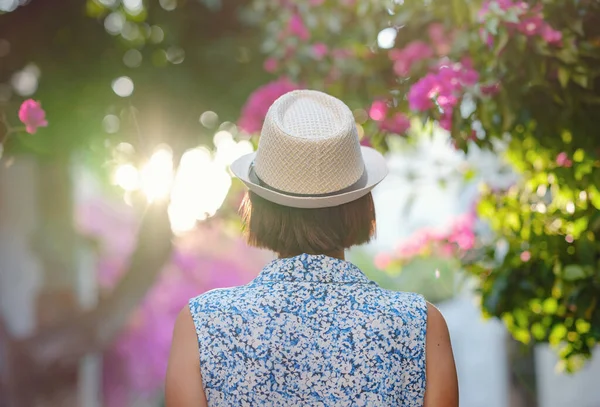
pixel 311 331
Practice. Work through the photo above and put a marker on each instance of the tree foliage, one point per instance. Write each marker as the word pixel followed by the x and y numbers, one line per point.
pixel 521 78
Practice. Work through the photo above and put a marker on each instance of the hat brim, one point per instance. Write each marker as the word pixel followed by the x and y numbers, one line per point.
pixel 375 171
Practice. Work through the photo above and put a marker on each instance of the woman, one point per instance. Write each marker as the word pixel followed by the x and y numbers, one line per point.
pixel 311 329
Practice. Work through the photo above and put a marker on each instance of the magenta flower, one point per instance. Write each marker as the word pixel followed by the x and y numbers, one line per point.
pixel 490 89
pixel 366 142
pixel 562 160
pixel 297 28
pixel 270 65
pixel 397 124
pixel 320 50
pixel 531 21
pixel 445 121
pixel 32 115
pixel 419 96
pixel 531 26
pixel 443 88
pixel 378 110
pixel 550 35
pixel 257 105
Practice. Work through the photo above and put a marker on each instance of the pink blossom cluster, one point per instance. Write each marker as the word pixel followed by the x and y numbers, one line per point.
pixel 406 57
pixel 530 20
pixel 136 363
pixel 563 160
pixel 440 38
pixel 416 51
pixel 32 115
pixel 256 107
pixel 297 28
pixel 457 238
pixel 319 50
pixel 397 123
pixel 442 89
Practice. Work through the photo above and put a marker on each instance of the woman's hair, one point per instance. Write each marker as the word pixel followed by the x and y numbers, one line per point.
pixel 291 231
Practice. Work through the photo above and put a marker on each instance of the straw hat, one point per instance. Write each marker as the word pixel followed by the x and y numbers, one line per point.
pixel 309 155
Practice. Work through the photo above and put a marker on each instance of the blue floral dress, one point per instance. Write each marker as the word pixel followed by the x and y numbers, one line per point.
pixel 311 331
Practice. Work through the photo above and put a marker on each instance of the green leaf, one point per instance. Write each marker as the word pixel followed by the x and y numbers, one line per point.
pixel 577 26
pixel 574 272
pixel 582 326
pixel 502 41
pixel 550 305
pixel 594 195
pixel 491 26
pixel 461 11
pixel 581 80
pixel 563 76
pixel 557 334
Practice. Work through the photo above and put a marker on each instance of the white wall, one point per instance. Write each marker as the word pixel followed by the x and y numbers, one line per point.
pixel 20 271
pixel 480 353
pixel 562 390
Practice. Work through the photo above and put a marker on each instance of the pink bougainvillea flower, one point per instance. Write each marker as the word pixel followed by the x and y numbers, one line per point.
pixel 382 260
pixel 397 124
pixel 530 21
pixel 320 50
pixel 447 250
pixel 562 160
pixel 445 121
pixel 406 57
pixel 439 38
pixel 257 105
pixel 419 95
pixel 448 241
pixel 443 89
pixel 32 115
pixel 531 26
pixel 342 53
pixel 378 110
pixel 270 65
pixel 525 256
pixel 490 89
pixel 550 35
pixel 366 142
pixel 297 28
pixel 462 232
pixel 487 38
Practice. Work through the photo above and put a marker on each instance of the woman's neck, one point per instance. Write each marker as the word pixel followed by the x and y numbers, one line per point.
pixel 338 254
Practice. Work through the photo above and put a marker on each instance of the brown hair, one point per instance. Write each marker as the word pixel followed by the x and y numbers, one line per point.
pixel 291 231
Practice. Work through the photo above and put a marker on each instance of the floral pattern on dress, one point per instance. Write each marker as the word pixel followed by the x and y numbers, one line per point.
pixel 311 330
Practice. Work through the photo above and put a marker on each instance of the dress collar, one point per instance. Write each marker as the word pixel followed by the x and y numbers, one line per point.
pixel 312 268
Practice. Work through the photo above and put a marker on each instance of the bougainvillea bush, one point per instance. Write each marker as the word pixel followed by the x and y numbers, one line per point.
pixel 520 76
pixel 134 366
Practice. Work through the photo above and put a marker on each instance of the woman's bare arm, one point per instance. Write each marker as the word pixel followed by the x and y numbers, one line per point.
pixel 183 386
pixel 442 383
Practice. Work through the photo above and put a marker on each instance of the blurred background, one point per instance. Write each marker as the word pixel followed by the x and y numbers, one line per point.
pixel 119 120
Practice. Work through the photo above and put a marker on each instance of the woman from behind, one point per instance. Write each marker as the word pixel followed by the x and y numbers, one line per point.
pixel 311 329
